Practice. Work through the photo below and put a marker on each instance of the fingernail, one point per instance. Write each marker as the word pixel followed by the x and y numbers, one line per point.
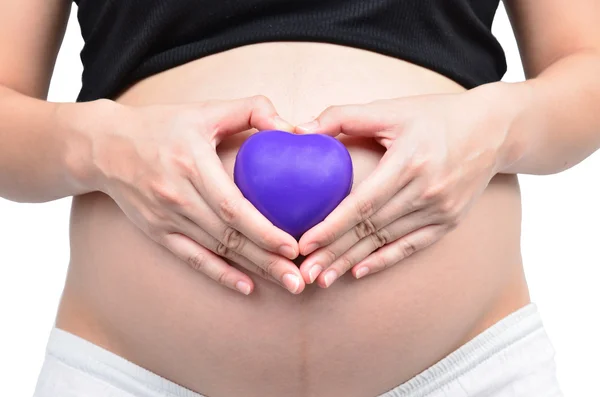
pixel 363 271
pixel 309 127
pixel 283 125
pixel 243 287
pixel 291 282
pixel 311 248
pixel 330 277
pixel 288 252
pixel 314 272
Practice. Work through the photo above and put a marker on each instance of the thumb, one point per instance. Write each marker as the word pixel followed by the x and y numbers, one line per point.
pixel 235 116
pixel 359 120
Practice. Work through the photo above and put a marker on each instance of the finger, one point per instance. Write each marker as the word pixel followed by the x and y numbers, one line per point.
pixel 237 259
pixel 373 242
pixel 266 264
pixel 191 230
pixel 359 206
pixel 400 205
pixel 408 200
pixel 227 202
pixel 371 120
pixel 204 261
pixel 231 117
pixel 399 250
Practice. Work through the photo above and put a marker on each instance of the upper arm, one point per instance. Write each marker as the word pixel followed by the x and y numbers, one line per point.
pixel 31 32
pixel 547 30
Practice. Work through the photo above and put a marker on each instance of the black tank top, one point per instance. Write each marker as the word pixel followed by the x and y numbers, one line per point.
pixel 128 40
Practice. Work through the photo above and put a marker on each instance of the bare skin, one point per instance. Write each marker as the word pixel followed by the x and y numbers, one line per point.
pixel 132 296
pixel 359 337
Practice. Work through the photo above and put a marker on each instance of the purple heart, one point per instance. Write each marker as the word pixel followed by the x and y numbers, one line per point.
pixel 295 181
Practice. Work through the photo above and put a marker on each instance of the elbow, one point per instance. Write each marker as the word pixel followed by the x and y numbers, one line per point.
pixel 11 191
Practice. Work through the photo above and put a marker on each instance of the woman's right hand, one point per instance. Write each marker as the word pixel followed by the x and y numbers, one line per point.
pixel 159 163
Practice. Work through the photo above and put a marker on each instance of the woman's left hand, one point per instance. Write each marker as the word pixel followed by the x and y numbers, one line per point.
pixel 442 151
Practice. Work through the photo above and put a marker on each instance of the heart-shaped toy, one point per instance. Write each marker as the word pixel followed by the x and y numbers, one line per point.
pixel 295 181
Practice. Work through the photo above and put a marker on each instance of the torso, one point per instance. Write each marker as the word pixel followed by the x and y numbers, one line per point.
pixel 357 338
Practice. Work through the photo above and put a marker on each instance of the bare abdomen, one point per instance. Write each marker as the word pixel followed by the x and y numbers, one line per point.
pixel 356 338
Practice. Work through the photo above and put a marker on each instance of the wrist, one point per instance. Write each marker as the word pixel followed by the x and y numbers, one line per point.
pixel 84 123
pixel 508 105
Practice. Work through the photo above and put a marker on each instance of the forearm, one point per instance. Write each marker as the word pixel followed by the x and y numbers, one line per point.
pixel 554 118
pixel 43 150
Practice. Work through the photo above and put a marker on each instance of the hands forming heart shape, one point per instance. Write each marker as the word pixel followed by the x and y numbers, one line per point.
pixel 435 166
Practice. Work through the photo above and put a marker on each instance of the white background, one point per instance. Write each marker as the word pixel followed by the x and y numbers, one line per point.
pixel 560 250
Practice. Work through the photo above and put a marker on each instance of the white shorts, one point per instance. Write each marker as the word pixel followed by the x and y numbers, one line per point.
pixel 513 358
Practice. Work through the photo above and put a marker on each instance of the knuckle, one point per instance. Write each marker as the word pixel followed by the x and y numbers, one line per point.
pixel 435 192
pixel 166 194
pixel 380 262
pixel 270 265
pixel 186 165
pixel 364 229
pixel 328 237
pixel 162 219
pixel 451 215
pixel 405 249
pixel 233 239
pixel 448 208
pixel 409 206
pixel 262 273
pixel 221 278
pixel 214 127
pixel 261 101
pixel 228 211
pixel 364 209
pixel 197 261
pixel 345 262
pixel 453 223
pixel 332 111
pixel 380 238
pixel 417 165
pixel 152 219
pixel 223 250
pixel 330 255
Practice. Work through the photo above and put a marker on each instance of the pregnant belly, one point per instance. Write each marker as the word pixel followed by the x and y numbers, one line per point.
pixel 357 338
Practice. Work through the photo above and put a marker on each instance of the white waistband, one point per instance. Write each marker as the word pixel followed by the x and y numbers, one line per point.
pixel 514 348
pixel 106 366
pixel 511 347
